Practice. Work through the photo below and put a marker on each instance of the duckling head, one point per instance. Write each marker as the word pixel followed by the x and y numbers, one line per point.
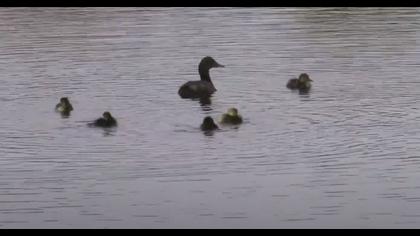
pixel 64 101
pixel 208 124
pixel 232 111
pixel 208 121
pixel 107 115
pixel 303 78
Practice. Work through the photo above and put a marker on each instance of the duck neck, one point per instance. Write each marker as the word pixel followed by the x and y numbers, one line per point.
pixel 204 74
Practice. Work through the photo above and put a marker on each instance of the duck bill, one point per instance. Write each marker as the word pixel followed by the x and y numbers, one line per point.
pixel 218 65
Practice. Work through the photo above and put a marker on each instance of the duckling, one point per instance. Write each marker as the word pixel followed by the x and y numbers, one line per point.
pixel 208 124
pixel 106 121
pixel 64 106
pixel 231 117
pixel 302 83
pixel 203 87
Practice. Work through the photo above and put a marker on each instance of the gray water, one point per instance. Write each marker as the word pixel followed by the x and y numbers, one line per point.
pixel 345 155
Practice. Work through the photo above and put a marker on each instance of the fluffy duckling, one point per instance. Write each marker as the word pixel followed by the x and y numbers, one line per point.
pixel 208 124
pixel 302 83
pixel 106 121
pixel 64 106
pixel 231 117
pixel 201 88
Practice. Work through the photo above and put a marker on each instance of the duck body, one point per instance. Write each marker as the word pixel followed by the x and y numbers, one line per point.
pixel 64 106
pixel 293 84
pixel 106 121
pixel 231 117
pixel 208 124
pixel 228 119
pixel 196 89
pixel 202 88
pixel 302 83
pixel 101 122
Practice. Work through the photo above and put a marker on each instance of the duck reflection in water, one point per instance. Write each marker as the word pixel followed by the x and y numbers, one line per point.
pixel 205 103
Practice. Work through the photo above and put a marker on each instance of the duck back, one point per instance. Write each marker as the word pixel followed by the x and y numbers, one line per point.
pixel 234 120
pixel 293 84
pixel 101 122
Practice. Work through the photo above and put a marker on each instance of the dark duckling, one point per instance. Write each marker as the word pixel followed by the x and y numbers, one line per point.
pixel 106 121
pixel 231 117
pixel 64 106
pixel 208 124
pixel 201 88
pixel 302 83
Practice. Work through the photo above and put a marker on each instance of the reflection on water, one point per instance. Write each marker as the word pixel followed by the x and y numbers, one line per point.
pixel 65 114
pixel 345 154
pixel 205 103
pixel 209 132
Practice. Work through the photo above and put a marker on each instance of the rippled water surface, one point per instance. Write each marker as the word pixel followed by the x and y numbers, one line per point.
pixel 345 155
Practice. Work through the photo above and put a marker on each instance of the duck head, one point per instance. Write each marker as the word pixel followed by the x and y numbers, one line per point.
pixel 304 78
pixel 208 124
pixel 207 63
pixel 232 111
pixel 107 115
pixel 64 101
pixel 208 121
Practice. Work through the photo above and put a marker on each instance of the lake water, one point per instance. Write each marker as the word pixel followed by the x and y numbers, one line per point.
pixel 345 155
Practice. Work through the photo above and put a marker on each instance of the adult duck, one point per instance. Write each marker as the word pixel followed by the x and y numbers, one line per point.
pixel 201 88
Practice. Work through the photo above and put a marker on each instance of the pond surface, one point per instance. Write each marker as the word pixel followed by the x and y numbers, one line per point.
pixel 347 154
